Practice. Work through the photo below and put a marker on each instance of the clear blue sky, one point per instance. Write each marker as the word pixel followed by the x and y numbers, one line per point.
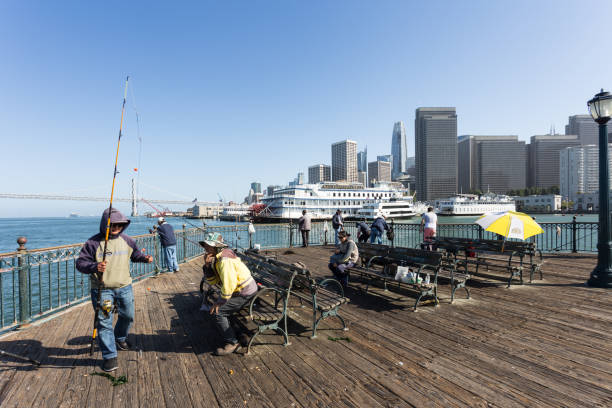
pixel 232 92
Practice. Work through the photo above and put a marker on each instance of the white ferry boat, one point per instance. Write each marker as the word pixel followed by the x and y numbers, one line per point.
pixel 323 199
pixel 235 212
pixel 399 209
pixel 469 204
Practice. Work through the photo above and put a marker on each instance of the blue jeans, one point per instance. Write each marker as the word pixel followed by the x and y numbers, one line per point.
pixel 336 239
pixel 124 300
pixel 376 236
pixel 170 258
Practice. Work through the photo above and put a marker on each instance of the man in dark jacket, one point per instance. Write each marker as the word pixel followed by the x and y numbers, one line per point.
pixel 115 283
pixel 363 232
pixel 168 243
pixel 337 223
pixel 379 226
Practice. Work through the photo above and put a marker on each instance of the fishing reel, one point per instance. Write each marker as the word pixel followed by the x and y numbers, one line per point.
pixel 107 307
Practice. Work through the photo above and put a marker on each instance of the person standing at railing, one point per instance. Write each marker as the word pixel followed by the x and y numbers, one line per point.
pixel 337 224
pixel 363 231
pixel 429 223
pixel 168 243
pixel 305 226
pixel 379 226
pixel 116 284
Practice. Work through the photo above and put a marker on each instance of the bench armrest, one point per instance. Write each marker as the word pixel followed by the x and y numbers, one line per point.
pixel 260 292
pixel 330 283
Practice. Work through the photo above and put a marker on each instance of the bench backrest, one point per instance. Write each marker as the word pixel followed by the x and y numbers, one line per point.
pixel 411 256
pixel 268 274
pixel 367 251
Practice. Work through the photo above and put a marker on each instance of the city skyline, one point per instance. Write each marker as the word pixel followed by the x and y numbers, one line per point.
pixel 257 90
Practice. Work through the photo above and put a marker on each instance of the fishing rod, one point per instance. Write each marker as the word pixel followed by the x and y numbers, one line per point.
pixel 17 356
pixel 97 274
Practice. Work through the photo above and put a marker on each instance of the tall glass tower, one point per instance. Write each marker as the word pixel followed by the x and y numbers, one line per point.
pixel 398 150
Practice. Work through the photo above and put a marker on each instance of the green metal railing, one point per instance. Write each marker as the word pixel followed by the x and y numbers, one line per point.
pixel 37 283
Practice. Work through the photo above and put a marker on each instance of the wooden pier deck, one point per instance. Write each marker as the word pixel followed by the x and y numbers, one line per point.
pixel 546 344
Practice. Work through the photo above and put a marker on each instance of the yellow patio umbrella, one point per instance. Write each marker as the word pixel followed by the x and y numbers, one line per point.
pixel 510 224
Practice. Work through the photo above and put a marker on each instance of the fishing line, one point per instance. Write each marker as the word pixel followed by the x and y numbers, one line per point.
pixel 139 143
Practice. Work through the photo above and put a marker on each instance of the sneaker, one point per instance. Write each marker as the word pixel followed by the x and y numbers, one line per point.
pixel 110 364
pixel 123 345
pixel 229 348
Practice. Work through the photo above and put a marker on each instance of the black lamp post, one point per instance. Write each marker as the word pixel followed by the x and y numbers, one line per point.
pixel 600 108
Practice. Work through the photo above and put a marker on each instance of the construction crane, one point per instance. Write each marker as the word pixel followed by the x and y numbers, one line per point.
pixel 221 200
pixel 157 212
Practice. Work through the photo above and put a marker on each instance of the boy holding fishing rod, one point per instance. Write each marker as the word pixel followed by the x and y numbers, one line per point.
pixel 115 283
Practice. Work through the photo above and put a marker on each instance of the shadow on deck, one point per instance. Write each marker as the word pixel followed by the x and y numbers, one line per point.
pixel 543 344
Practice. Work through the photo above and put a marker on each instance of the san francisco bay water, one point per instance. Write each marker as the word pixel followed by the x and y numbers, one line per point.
pixel 55 231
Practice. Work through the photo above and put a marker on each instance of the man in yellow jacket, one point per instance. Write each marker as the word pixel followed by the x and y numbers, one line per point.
pixel 223 268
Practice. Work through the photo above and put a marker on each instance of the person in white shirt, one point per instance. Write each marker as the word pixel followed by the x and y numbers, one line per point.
pixel 429 220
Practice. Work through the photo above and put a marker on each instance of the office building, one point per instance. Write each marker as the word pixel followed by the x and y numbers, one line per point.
pixel 256 187
pixel 579 171
pixel 584 127
pixel 543 159
pixel 379 171
pixel 362 160
pixel 491 163
pixel 435 141
pixel 344 161
pixel 398 150
pixel 362 177
pixel 319 173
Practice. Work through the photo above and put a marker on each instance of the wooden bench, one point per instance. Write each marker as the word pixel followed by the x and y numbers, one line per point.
pixel 267 315
pixel 507 256
pixel 425 262
pixel 325 297
pixel 447 271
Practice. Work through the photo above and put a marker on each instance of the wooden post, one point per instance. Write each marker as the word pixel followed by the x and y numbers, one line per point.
pixel 24 283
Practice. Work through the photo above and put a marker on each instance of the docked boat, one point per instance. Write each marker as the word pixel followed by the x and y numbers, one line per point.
pixel 394 209
pixel 323 199
pixel 235 212
pixel 470 204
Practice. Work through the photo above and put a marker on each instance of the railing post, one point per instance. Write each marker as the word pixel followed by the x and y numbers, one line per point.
pixel 23 263
pixel 574 243
pixel 158 264
pixel 184 242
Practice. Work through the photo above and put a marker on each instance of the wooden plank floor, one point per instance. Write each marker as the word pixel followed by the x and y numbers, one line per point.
pixel 547 344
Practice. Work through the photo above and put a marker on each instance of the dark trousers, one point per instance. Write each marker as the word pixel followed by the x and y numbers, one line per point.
pixel 340 272
pixel 364 237
pixel 305 234
pixel 233 305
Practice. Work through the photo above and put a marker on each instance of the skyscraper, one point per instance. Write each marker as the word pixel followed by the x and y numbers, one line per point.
pixel 319 173
pixel 344 161
pixel 543 158
pixel 435 140
pixel 491 163
pixel 584 127
pixel 398 150
pixel 256 187
pixel 379 171
pixel 579 171
pixel 362 160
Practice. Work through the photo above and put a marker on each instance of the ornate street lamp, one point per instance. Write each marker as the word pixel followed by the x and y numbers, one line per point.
pixel 600 108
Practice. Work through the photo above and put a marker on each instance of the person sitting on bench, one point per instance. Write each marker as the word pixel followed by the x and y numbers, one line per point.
pixel 344 257
pixel 222 267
